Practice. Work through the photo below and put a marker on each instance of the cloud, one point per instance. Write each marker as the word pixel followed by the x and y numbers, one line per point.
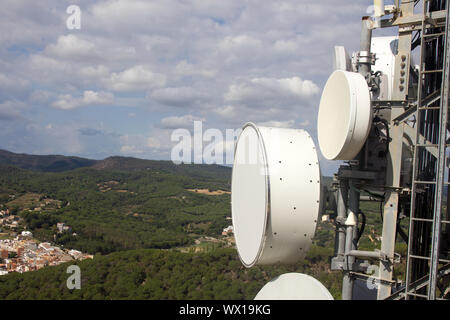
pixel 176 122
pixel 277 124
pixel 179 96
pixel 89 131
pixel 89 97
pixel 153 142
pixel 92 72
pixel 260 89
pixel 72 46
pixel 186 69
pixel 137 78
pixel 224 62
pixel 10 111
pixel 130 149
pixel 240 42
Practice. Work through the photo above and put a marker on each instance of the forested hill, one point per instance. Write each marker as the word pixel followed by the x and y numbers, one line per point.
pixel 112 210
pixel 58 163
pixel 47 163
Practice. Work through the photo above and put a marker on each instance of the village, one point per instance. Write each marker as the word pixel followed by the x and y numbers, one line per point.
pixel 23 254
pixel 20 252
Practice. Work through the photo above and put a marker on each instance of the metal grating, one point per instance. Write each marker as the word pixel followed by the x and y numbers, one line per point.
pixel 426 249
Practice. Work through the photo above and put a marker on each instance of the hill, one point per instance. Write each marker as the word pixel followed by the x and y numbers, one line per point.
pixel 46 163
pixel 113 210
pixel 59 163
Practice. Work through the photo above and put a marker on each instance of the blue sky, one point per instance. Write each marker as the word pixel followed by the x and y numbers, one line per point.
pixel 137 70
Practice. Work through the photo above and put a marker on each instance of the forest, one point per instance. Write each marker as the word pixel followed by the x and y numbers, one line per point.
pixel 160 275
pixel 150 209
pixel 141 221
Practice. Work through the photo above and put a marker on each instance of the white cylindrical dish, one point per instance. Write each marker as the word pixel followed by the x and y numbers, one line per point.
pixel 294 286
pixel 275 194
pixel 345 115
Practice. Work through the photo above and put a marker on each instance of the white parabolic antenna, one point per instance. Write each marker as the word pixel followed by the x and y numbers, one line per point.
pixel 275 194
pixel 294 286
pixel 345 115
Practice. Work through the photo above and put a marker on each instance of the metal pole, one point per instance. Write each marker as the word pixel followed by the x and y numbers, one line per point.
pixel 364 68
pixel 364 65
pixel 347 282
pixel 350 241
pixel 341 215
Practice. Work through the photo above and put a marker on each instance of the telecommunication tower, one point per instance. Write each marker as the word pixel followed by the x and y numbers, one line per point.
pixel 386 116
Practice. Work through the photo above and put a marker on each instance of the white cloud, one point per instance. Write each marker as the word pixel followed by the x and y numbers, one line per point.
pixel 277 124
pixel 227 112
pixel 153 142
pixel 179 96
pixel 176 122
pixel 72 46
pixel 259 86
pixel 91 72
pixel 240 42
pixel 89 98
pixel 259 92
pixel 130 149
pixel 137 78
pixel 286 46
pixel 227 62
pixel 186 69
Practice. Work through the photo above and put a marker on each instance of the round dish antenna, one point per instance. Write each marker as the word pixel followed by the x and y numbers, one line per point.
pixel 345 115
pixel 275 194
pixel 294 286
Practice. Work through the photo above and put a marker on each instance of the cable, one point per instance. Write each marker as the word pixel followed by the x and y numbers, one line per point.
pixel 363 225
pixel 377 196
pixel 381 207
pixel 386 125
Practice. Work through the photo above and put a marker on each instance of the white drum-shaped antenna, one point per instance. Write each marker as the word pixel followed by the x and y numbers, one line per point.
pixel 345 115
pixel 294 286
pixel 275 194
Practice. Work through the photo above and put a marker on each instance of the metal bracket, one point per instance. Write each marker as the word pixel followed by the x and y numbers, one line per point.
pixel 365 57
pixel 357 174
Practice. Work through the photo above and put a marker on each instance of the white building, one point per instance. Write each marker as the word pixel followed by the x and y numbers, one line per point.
pixel 27 234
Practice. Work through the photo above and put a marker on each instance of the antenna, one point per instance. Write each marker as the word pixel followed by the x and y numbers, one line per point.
pixel 345 115
pixel 393 134
pixel 294 286
pixel 274 223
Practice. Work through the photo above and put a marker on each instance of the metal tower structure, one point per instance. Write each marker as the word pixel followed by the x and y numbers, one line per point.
pixel 417 110
pixel 387 117
pixel 428 199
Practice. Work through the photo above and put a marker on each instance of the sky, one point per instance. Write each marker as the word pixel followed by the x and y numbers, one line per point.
pixel 137 70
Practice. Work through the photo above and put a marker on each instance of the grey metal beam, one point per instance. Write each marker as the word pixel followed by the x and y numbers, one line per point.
pixel 366 254
pixel 412 20
pixel 350 241
pixel 341 214
pixel 402 68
